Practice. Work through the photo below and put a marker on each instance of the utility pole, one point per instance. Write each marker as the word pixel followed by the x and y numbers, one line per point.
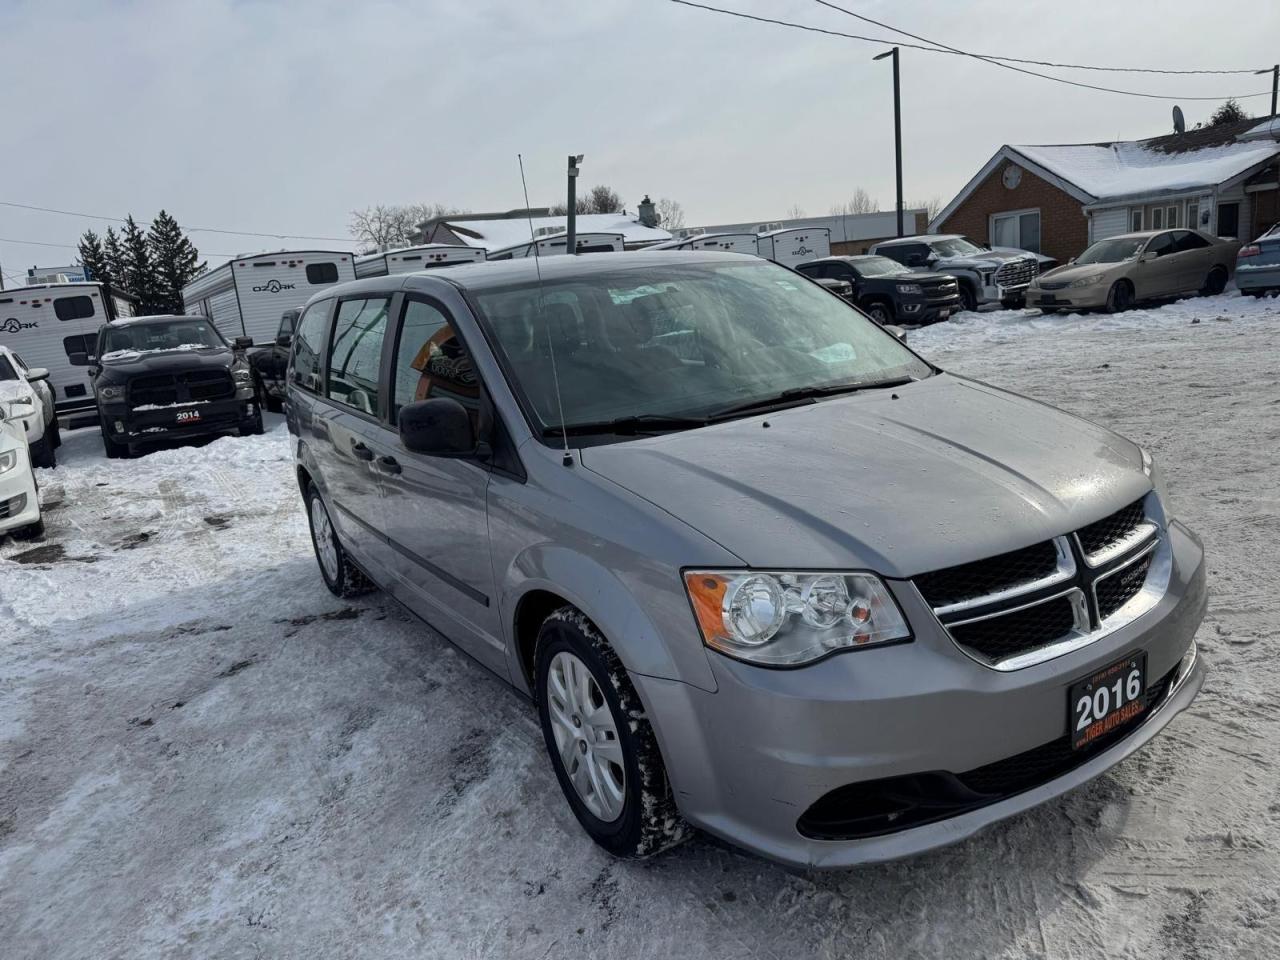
pixel 1275 84
pixel 897 127
pixel 571 233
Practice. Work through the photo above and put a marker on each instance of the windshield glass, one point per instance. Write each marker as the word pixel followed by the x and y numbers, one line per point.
pixel 878 267
pixel 1112 251
pixel 6 369
pixel 956 247
pixel 188 334
pixel 682 341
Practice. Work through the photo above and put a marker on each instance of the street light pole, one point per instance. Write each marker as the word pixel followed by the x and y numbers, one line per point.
pixel 897 127
pixel 571 232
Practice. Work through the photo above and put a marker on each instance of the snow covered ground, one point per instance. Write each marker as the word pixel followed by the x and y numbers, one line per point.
pixel 204 754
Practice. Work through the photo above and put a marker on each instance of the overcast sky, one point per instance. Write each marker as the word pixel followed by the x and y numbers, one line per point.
pixel 284 115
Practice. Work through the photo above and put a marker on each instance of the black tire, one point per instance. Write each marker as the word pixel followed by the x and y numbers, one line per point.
pixel 115 451
pixel 1120 297
pixel 1048 310
pixel 649 821
pixel 32 531
pixel 880 312
pixel 251 426
pixel 54 432
pixel 42 454
pixel 1013 303
pixel 968 299
pixel 344 579
pixel 265 399
pixel 1215 283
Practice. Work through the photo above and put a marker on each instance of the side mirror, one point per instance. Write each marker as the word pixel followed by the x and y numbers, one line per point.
pixel 1071 261
pixel 439 428
pixel 1146 257
pixel 284 340
pixel 242 343
pixel 37 373
pixel 78 359
pixel 897 331
pixel 931 259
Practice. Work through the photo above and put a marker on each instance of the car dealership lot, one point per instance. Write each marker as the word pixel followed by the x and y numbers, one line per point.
pixel 203 753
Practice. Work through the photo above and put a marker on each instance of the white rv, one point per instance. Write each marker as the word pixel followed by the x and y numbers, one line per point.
pixel 46 323
pixel 246 296
pixel 729 242
pixel 798 245
pixel 557 243
pixel 413 259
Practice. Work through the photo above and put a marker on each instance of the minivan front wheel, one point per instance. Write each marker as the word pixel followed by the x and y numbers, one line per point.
pixel 601 744
pixel 339 573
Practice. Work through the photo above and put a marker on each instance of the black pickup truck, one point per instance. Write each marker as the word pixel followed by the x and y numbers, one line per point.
pixel 167 378
pixel 270 363
pixel 888 291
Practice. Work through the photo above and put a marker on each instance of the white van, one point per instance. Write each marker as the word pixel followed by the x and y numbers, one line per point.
pixel 796 245
pixel 413 259
pixel 550 246
pixel 48 322
pixel 246 297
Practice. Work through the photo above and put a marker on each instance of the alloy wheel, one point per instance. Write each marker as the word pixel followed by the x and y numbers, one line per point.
pixel 586 736
pixel 322 535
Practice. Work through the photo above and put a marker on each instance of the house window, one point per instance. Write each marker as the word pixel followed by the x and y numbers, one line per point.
pixel 1019 228
pixel 1135 220
pixel 1170 217
pixel 1157 218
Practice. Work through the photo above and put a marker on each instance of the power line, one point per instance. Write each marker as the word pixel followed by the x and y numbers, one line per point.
pixel 949 50
pixel 238 233
pixel 75 246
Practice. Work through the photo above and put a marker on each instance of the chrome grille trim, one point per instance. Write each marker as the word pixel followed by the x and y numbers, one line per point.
pixel 1016 273
pixel 1138 535
pixel 1065 571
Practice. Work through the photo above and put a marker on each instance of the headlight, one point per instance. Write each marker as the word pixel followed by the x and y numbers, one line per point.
pixel 242 376
pixel 8 460
pixel 910 288
pixel 781 619
pixel 109 392
pixel 22 401
pixel 1088 281
pixel 1152 471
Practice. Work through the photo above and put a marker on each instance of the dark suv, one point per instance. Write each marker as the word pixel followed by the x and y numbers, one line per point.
pixel 270 362
pixel 888 291
pixel 169 377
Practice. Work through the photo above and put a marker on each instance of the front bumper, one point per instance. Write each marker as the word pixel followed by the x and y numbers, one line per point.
pixel 928 311
pixel 19 502
pixel 1070 298
pixel 747 761
pixel 140 425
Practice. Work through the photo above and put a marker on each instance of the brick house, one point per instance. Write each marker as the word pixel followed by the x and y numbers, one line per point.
pixel 1057 199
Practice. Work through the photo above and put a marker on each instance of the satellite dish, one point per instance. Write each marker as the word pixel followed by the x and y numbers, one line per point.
pixel 1179 124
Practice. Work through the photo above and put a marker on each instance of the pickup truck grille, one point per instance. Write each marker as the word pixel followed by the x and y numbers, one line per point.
pixel 162 390
pixel 943 290
pixel 1006 609
pixel 1016 273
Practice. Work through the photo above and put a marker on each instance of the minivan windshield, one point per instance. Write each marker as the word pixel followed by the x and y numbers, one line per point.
pixel 184 334
pixel 1112 251
pixel 682 341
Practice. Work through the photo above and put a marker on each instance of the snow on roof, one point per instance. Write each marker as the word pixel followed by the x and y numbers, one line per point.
pixel 497 234
pixel 1111 171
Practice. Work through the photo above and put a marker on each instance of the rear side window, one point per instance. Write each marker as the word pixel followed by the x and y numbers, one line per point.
pixel 910 254
pixel 84 344
pixel 1190 241
pixel 355 359
pixel 73 308
pixel 305 368
pixel 322 273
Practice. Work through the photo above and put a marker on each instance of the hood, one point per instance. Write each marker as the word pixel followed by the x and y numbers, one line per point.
pixel 951 471
pixel 1074 271
pixel 131 364
pixel 987 260
pixel 918 277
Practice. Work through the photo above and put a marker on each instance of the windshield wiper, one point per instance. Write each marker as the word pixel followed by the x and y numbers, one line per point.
pixel 799 395
pixel 639 423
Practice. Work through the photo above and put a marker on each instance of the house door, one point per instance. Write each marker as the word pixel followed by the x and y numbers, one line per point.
pixel 1229 220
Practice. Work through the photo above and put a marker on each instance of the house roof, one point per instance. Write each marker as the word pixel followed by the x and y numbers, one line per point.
pixel 497 234
pixel 1097 173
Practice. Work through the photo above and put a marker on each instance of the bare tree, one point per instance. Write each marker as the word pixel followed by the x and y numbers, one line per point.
pixel 599 199
pixel 931 207
pixel 394 225
pixel 795 212
pixel 670 214
pixel 860 202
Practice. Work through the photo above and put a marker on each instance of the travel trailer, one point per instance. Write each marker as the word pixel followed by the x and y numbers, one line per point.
pixel 796 245
pixel 413 259
pixel 553 244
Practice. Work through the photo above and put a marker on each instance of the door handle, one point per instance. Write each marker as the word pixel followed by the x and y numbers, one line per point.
pixel 389 464
pixel 360 450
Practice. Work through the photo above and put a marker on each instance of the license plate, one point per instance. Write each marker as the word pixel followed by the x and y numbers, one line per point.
pixel 1107 700
pixel 188 416
pixel 1048 299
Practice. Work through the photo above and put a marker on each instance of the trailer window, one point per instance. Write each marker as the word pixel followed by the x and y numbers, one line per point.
pixel 322 273
pixel 73 308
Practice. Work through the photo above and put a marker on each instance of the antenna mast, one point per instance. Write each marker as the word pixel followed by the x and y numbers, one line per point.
pixel 551 343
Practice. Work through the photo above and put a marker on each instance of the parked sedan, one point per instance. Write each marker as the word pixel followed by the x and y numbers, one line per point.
pixel 889 292
pixel 752 585
pixel 1116 273
pixel 19 499
pixel 1258 265
pixel 26 395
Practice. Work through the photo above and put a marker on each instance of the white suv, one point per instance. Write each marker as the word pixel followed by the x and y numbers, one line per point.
pixel 27 399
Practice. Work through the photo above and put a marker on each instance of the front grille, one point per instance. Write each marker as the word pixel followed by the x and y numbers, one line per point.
pixel 1009 634
pixel 1114 591
pixel 208 385
pixel 167 389
pixel 160 391
pixel 993 575
pixel 1054 284
pixel 1016 273
pixel 13 506
pixel 1098 538
pixel 874 808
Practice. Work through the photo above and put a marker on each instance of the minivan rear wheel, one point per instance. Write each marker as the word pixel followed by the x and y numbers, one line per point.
pixel 340 575
pixel 601 744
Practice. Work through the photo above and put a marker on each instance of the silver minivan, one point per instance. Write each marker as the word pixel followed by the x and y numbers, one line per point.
pixel 764 570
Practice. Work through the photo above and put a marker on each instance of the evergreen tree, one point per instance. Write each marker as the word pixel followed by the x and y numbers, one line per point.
pixel 139 271
pixel 113 259
pixel 175 261
pixel 93 259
